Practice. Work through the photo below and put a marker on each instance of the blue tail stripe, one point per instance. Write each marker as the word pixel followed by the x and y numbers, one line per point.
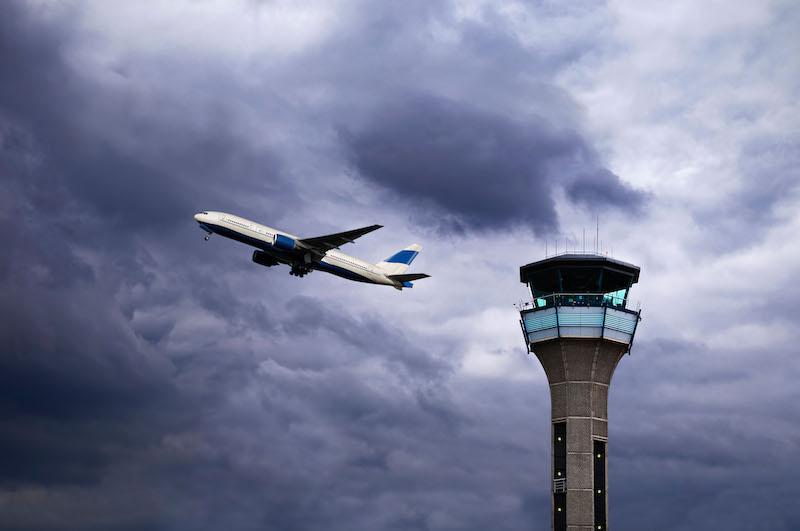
pixel 403 257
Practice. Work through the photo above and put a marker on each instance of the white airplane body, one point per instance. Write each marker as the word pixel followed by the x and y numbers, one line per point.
pixel 307 254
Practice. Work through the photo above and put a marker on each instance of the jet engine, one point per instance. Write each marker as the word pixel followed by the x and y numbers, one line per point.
pixel 284 242
pixel 262 258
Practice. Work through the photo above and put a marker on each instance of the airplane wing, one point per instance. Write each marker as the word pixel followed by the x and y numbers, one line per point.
pixel 323 244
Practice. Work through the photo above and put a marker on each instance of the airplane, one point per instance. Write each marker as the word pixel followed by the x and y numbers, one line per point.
pixel 321 253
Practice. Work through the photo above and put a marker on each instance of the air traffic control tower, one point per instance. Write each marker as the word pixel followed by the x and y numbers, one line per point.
pixel 579 326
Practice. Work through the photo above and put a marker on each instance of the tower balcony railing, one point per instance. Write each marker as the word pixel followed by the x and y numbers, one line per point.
pixel 578 315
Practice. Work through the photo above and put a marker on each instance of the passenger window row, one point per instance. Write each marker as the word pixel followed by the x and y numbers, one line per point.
pixel 354 263
pixel 239 223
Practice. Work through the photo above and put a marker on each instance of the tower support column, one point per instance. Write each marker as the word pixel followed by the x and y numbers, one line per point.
pixel 579 372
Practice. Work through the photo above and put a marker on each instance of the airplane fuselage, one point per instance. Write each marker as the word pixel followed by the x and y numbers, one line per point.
pixel 284 248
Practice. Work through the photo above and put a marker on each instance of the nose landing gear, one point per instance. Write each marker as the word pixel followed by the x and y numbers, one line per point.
pixel 207 236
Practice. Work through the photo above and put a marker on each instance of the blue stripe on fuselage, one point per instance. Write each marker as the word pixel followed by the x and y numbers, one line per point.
pixel 341 272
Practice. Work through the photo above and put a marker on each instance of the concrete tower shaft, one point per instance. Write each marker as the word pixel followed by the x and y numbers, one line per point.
pixel 579 327
pixel 579 372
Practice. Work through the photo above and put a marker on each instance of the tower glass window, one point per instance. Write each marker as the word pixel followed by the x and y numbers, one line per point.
pixel 599 485
pixel 616 298
pixel 560 512
pixel 579 280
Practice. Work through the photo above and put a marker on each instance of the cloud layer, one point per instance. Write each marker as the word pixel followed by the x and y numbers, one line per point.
pixel 149 380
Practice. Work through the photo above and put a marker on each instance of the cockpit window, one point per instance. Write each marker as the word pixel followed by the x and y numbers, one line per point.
pixel 206 213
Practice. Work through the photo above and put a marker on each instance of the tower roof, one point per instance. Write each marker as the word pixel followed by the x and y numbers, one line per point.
pixel 578 273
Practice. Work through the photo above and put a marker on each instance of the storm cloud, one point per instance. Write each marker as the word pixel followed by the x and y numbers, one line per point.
pixel 477 169
pixel 151 380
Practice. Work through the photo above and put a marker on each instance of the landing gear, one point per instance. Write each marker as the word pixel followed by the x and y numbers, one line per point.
pixel 207 236
pixel 300 270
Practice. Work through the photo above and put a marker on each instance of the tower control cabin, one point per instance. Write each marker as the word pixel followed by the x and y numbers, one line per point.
pixel 579 326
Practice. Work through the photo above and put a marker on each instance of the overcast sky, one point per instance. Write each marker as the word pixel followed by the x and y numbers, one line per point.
pixel 153 381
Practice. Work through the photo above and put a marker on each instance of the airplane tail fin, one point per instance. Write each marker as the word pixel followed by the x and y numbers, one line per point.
pixel 398 263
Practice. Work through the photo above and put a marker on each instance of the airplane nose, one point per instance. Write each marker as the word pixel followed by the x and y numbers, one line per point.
pixel 202 217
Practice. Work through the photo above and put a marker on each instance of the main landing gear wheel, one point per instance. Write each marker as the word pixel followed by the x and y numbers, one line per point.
pixel 300 270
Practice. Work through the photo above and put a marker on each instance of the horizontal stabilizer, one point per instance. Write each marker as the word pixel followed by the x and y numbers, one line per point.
pixel 408 277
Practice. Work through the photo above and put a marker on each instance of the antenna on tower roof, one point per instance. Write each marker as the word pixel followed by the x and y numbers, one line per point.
pixel 597 236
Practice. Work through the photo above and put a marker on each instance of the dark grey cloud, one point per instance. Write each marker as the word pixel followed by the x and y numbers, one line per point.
pixel 602 188
pixel 700 441
pixel 770 163
pixel 470 169
pixel 769 179
pixel 91 152
pixel 76 375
